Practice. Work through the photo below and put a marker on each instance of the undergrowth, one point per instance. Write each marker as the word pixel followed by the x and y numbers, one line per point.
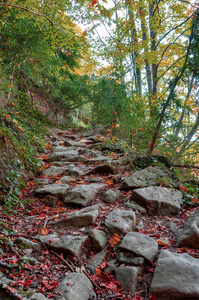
pixel 21 139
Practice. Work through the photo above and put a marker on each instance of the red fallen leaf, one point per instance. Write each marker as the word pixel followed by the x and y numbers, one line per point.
pixel 26 283
pixel 104 265
pixel 152 297
pixel 136 297
pixel 69 284
pixel 11 275
pixel 91 253
pixel 50 240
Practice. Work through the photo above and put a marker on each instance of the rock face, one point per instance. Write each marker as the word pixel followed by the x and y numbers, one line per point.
pixel 83 194
pixel 158 200
pixel 176 277
pixel 147 177
pixel 120 221
pixel 140 245
pixel 188 236
pixel 83 217
pixel 76 286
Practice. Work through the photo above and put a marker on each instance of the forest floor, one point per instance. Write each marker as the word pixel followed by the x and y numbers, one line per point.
pixel 52 266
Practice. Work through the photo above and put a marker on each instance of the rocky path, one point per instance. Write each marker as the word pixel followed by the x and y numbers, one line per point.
pixel 97 230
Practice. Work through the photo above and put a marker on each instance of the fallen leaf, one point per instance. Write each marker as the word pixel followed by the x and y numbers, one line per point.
pixel 43 231
pixel 114 240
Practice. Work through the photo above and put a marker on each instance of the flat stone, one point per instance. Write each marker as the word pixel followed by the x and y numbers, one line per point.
pixel 69 155
pixel 57 190
pixel 140 245
pixel 70 244
pixel 127 276
pixel 83 217
pixel 147 177
pixel 100 159
pixel 120 221
pixel 76 286
pixel 158 200
pixel 188 236
pixel 111 196
pixel 70 143
pixel 130 259
pixel 98 239
pixel 83 194
pixel 53 170
pixel 175 277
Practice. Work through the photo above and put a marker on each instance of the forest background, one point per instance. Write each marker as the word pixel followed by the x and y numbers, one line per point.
pixel 53 72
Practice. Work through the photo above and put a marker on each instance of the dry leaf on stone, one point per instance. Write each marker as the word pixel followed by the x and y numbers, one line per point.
pixel 114 240
pixel 43 231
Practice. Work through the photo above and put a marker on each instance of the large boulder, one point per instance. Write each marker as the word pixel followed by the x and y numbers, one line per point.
pixel 141 245
pixel 176 277
pixel 120 221
pixel 188 236
pixel 158 200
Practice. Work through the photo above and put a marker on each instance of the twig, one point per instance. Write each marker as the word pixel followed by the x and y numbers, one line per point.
pixel 10 291
pixel 68 265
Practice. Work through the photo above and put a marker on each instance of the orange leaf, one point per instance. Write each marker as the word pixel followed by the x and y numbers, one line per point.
pixel 110 182
pixel 114 240
pixel 43 231
pixel 98 271
pixel 117 125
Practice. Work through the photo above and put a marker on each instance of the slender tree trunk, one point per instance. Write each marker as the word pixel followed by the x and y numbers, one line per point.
pixel 145 38
pixel 153 46
pixel 189 136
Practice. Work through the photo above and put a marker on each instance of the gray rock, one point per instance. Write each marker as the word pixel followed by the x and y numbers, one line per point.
pixel 111 196
pixel 53 170
pixel 147 177
pixel 76 286
pixel 41 181
pixel 100 159
pixel 130 259
pixel 70 156
pixel 83 194
pixel 96 261
pixel 111 267
pixel 63 149
pixel 38 296
pixel 84 217
pixel 98 239
pixel 27 244
pixel 79 171
pixel 61 163
pixel 57 190
pixel 176 277
pixel 120 221
pixel 140 245
pixel 65 179
pixel 69 243
pixel 135 206
pixel 158 200
pixel 127 276
pixel 188 236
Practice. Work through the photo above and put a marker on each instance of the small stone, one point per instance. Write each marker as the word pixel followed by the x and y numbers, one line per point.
pixel 111 196
pixel 98 239
pixel 127 276
pixel 130 259
pixel 120 221
pixel 51 201
pixel 57 190
pixel 96 261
